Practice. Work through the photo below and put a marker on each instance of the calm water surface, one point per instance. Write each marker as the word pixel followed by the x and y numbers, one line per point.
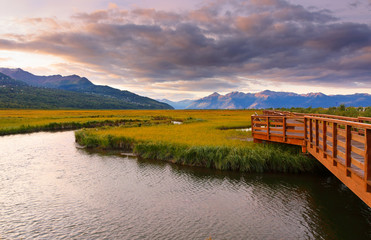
pixel 49 189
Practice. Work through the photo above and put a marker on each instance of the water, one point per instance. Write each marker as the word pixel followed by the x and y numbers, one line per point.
pixel 49 189
pixel 244 129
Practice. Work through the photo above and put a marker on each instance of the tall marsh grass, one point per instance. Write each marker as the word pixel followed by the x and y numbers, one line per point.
pixel 212 142
pixel 251 158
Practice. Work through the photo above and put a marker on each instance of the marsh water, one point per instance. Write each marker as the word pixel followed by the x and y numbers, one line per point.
pixel 50 189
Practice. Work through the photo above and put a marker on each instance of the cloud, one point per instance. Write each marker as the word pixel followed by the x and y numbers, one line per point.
pixel 210 47
pixel 201 85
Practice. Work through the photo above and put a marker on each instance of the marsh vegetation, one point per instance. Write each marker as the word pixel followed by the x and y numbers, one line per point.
pixel 206 138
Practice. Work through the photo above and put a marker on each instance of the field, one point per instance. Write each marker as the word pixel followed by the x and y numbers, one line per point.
pixel 24 121
pixel 205 138
pixel 211 128
pixel 214 124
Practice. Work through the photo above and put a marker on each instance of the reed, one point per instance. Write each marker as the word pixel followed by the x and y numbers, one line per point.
pixel 252 158
pixel 205 139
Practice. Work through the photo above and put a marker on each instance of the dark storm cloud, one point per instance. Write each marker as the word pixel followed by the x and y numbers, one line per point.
pixel 269 39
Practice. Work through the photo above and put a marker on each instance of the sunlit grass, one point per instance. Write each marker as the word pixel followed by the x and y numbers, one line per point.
pixel 16 119
pixel 198 128
pixel 193 134
pixel 22 121
pixel 207 138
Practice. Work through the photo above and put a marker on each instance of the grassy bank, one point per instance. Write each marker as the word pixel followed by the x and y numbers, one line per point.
pixel 211 142
pixel 249 158
pixel 27 121
pixel 60 126
pixel 208 138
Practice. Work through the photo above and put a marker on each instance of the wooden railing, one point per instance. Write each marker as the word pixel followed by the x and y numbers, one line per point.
pixel 345 148
pixel 285 113
pixel 342 144
pixel 285 129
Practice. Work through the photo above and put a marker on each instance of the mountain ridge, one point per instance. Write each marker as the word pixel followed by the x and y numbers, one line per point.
pixel 272 99
pixel 75 83
pixel 16 94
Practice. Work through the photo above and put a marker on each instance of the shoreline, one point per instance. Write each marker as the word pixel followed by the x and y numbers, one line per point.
pixel 251 159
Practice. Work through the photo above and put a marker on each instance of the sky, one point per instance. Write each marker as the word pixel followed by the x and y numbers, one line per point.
pixel 189 49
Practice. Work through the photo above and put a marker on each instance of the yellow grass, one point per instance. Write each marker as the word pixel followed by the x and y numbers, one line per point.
pixel 201 127
pixel 206 137
pixel 16 118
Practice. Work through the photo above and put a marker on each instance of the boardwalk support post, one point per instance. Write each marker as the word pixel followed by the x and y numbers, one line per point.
pixel 268 129
pixel 317 135
pixel 348 149
pixel 334 143
pixel 305 144
pixel 311 132
pixel 284 129
pixel 368 159
pixel 324 138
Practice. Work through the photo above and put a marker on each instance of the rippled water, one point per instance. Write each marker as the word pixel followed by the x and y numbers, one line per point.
pixel 49 189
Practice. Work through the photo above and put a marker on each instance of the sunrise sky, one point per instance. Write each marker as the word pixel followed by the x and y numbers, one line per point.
pixel 189 49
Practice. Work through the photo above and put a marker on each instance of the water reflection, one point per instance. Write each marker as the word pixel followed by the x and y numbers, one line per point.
pixel 51 189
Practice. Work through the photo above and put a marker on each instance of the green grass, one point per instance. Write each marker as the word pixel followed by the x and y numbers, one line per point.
pixel 251 158
pixel 27 121
pixel 60 126
pixel 207 138
pixel 212 142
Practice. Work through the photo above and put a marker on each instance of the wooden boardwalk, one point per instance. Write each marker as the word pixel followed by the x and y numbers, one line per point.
pixel 341 144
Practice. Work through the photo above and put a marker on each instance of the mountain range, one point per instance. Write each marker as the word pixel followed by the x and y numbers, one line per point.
pixel 21 89
pixel 73 86
pixel 271 99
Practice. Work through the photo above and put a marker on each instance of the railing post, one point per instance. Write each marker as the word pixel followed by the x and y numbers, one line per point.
pixel 368 159
pixel 348 148
pixel 304 148
pixel 284 129
pixel 324 137
pixel 268 134
pixel 252 126
pixel 317 135
pixel 305 128
pixel 334 142
pixel 311 132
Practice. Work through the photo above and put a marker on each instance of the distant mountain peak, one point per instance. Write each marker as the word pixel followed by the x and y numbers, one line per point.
pixel 267 92
pixel 15 69
pixel 312 94
pixel 215 94
pixel 74 76
pixel 272 99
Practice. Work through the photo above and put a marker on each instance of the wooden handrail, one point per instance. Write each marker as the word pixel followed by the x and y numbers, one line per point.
pixel 364 119
pixel 281 113
pixel 277 116
pixel 342 122
pixel 341 144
